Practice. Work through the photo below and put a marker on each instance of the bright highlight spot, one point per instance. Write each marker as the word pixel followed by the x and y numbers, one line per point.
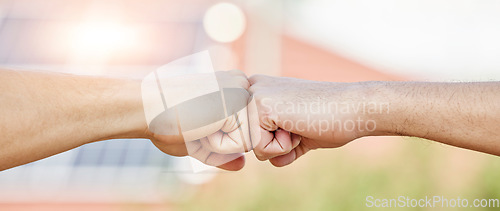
pixel 102 38
pixel 224 22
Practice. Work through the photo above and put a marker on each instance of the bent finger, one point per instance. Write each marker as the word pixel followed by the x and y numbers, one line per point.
pixel 279 144
pixel 232 162
pixel 290 157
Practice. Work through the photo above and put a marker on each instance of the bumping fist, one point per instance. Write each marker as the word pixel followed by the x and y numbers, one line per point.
pixel 215 117
pixel 199 113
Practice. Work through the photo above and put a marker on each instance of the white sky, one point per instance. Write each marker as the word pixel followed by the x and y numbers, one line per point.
pixel 429 39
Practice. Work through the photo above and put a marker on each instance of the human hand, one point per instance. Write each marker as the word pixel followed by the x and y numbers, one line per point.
pixel 212 128
pixel 299 115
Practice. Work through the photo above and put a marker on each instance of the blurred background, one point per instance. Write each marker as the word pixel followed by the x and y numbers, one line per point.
pixel 347 41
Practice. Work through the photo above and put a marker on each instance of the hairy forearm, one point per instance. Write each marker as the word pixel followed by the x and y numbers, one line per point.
pixel 42 114
pixel 465 115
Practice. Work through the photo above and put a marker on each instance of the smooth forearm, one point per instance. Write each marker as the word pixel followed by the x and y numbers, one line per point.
pixel 43 114
pixel 466 115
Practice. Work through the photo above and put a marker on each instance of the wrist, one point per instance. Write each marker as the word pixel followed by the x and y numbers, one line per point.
pixel 374 97
pixel 123 115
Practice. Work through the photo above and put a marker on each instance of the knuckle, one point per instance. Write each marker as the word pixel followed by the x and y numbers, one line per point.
pixel 260 157
pixel 237 72
pixel 252 89
pixel 262 153
pixel 244 83
pixel 255 78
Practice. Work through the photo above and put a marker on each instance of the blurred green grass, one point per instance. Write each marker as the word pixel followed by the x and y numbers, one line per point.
pixel 341 179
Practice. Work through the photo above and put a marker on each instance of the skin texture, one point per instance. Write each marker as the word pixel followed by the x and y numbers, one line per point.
pixel 44 114
pixel 465 115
